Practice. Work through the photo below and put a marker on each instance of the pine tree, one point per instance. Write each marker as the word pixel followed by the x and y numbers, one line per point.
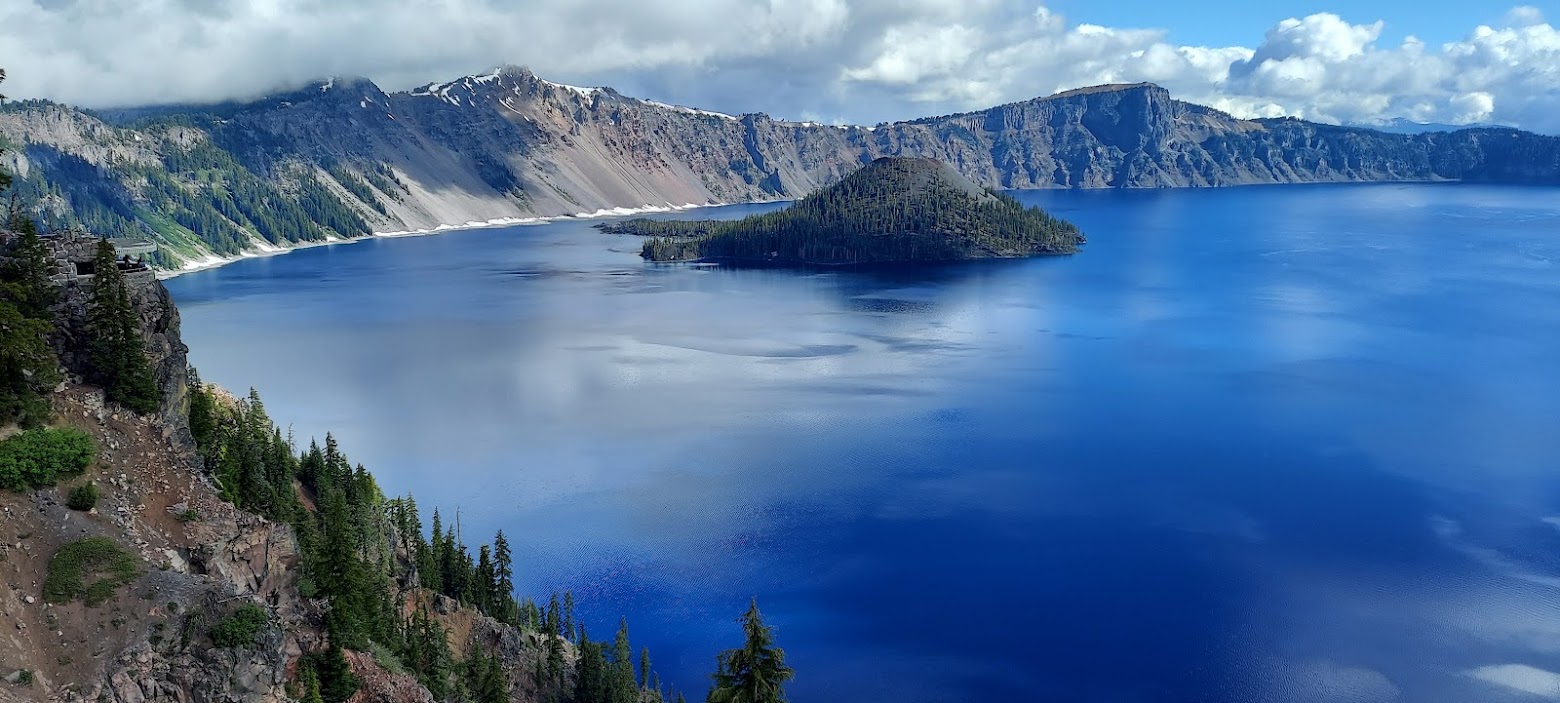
pixel 336 681
pixel 755 673
pixel 504 578
pixel 568 614
pixel 621 675
pixel 590 676
pixel 433 570
pixel 203 418
pixel 554 622
pixel 309 685
pixel 118 356
pixel 426 652
pixel 644 667
pixel 485 679
pixel 555 657
pixel 28 367
pixel 24 279
pixel 484 583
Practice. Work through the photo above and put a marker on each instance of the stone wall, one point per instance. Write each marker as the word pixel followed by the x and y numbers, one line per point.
pixel 159 321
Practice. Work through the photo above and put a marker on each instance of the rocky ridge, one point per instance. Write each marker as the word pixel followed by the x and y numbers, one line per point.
pixel 508 145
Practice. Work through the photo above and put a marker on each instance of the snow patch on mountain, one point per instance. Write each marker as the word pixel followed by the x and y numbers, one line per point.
pixel 689 110
pixel 582 92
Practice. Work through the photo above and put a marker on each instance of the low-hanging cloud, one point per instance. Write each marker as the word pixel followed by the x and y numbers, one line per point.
pixel 825 60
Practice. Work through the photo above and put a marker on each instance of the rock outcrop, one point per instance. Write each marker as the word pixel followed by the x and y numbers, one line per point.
pixel 200 557
pixel 159 321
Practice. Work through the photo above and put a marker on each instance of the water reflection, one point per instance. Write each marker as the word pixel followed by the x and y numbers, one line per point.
pixel 1253 445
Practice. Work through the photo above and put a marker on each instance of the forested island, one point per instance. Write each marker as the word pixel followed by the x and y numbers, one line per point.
pixel 893 210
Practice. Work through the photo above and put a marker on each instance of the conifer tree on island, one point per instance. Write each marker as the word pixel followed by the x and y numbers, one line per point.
pixel 118 357
pixel 754 673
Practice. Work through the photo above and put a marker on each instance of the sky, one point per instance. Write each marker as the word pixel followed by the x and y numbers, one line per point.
pixel 835 61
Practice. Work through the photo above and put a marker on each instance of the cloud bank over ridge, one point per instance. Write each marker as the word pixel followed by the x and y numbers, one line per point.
pixel 825 60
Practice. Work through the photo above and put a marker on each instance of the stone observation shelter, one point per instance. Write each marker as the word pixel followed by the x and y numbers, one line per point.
pixel 74 251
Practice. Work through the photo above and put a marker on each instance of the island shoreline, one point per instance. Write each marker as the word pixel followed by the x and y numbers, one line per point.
pixel 272 250
pixel 268 250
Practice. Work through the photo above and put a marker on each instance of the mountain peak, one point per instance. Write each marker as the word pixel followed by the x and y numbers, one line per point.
pixel 918 174
pixel 1108 88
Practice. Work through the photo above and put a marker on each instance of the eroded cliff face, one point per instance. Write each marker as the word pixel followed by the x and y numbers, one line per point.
pixel 508 145
pixel 158 317
pixel 200 557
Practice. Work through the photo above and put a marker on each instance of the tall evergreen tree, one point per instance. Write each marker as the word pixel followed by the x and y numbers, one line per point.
pixel 118 355
pixel 644 667
pixel 590 675
pixel 555 662
pixel 484 582
pixel 554 622
pixel 485 679
pixel 28 367
pixel 568 614
pixel 755 672
pixel 24 279
pixel 504 579
pixel 426 652
pixel 621 675
pixel 309 685
pixel 337 683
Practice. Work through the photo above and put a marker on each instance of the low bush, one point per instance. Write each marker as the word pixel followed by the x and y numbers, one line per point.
pixel 35 458
pixel 91 569
pixel 83 497
pixel 240 628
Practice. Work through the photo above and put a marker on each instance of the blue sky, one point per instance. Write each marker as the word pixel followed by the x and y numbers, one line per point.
pixel 838 61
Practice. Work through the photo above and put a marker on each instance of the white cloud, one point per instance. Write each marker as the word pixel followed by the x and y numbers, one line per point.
pixel 910 54
pixel 1520 677
pixel 863 61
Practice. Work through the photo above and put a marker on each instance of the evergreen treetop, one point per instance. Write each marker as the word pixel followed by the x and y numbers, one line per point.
pixel 755 672
pixel 118 355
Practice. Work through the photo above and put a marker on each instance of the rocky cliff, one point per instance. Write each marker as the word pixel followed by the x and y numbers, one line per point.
pixel 508 145
pixel 199 557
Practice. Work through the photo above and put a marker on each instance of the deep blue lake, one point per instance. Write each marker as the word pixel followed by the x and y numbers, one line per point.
pixel 1257 444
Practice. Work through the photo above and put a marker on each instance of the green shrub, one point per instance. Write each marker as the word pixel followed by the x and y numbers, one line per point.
pixel 90 569
pixel 240 628
pixel 386 658
pixel 41 457
pixel 24 677
pixel 83 497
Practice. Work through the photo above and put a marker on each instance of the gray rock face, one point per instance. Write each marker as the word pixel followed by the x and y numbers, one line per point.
pixel 159 320
pixel 511 145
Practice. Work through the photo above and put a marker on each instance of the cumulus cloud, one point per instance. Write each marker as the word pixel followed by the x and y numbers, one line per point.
pixel 859 62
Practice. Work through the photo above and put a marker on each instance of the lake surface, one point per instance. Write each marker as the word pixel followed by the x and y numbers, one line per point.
pixel 1257 444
